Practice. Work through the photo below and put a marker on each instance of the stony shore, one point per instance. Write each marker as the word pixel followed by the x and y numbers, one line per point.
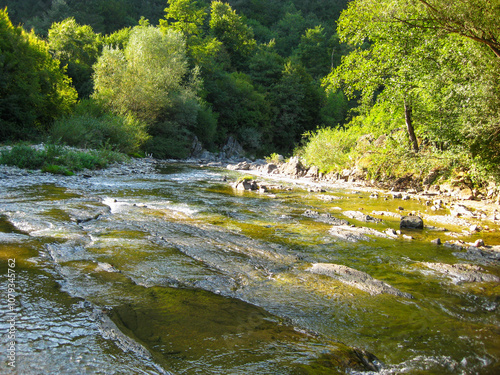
pixel 471 215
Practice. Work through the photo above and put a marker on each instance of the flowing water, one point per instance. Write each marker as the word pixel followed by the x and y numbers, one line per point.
pixel 209 280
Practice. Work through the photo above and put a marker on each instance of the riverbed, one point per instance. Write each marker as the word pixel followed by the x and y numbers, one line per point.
pixel 159 268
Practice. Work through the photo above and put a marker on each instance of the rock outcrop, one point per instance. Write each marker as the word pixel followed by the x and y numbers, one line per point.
pixel 232 149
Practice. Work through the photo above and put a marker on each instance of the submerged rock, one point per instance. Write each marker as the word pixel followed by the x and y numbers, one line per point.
pixel 246 185
pixel 356 279
pixel 358 215
pixel 462 273
pixel 325 218
pixel 490 255
pixel 355 234
pixel 106 267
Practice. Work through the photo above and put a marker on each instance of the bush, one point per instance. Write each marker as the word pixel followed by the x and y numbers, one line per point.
pixel 331 149
pixel 57 169
pixel 58 160
pixel 91 127
pixel 169 140
pixel 23 156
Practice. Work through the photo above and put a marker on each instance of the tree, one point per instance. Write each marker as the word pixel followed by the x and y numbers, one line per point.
pixel 435 68
pixel 390 61
pixel 187 17
pixel 77 47
pixel 473 19
pixel 236 36
pixel 150 80
pixel 289 29
pixel 33 88
pixel 242 111
pixel 314 52
pixel 266 65
pixel 142 78
pixel 296 104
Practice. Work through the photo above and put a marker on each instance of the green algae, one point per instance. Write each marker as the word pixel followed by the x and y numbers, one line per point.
pixel 213 331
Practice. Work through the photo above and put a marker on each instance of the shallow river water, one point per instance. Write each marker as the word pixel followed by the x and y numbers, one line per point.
pixel 176 272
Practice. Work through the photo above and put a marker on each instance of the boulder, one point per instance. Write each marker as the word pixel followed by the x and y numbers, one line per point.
pixel 232 149
pixel 313 172
pixel 246 185
pixel 242 166
pixel 411 222
pixel 294 167
pixel 269 168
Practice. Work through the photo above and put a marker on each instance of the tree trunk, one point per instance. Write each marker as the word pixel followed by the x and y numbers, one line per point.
pixel 409 126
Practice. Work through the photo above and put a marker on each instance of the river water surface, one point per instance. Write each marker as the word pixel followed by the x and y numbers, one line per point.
pixel 209 280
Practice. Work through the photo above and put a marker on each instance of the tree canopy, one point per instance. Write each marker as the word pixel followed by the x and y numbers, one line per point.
pixel 431 63
pixel 33 89
pixel 263 72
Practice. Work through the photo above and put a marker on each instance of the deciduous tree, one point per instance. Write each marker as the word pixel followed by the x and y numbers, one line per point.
pixel 34 90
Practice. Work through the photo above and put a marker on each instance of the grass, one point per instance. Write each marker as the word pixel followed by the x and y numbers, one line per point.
pixel 388 158
pixel 58 160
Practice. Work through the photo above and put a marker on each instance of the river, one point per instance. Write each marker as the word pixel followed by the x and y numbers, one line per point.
pixel 174 271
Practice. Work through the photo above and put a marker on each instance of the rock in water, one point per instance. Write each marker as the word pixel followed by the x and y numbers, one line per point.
pixel 356 279
pixel 463 273
pixel 411 222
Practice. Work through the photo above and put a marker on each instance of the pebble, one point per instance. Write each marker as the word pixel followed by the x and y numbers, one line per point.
pixel 479 243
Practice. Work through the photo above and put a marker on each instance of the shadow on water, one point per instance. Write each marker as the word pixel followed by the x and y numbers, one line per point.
pixel 198 332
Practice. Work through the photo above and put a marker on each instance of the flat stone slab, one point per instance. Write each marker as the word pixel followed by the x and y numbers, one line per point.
pixel 355 234
pixel 356 279
pixel 358 215
pixel 325 218
pixel 462 272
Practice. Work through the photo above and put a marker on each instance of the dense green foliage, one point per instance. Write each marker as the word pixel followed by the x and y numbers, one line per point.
pixel 90 126
pixel 33 89
pixel 163 72
pixel 56 159
pixel 430 68
pixel 249 69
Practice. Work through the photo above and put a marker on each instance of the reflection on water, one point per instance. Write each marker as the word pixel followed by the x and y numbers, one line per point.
pixel 210 281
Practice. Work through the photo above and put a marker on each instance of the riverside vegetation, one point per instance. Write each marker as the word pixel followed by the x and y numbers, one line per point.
pixel 396 89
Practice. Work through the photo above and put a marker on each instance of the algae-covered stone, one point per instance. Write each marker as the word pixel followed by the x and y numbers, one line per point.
pixel 356 279
pixel 411 222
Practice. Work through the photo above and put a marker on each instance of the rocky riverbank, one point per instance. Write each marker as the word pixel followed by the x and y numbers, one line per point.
pixel 444 207
pixel 461 205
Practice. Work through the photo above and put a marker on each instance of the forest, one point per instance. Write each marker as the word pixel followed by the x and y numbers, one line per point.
pixel 391 88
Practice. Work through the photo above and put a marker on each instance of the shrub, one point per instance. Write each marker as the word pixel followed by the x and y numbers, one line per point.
pixel 58 160
pixel 274 158
pixel 169 140
pixel 330 149
pixel 23 156
pixel 57 169
pixel 91 127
